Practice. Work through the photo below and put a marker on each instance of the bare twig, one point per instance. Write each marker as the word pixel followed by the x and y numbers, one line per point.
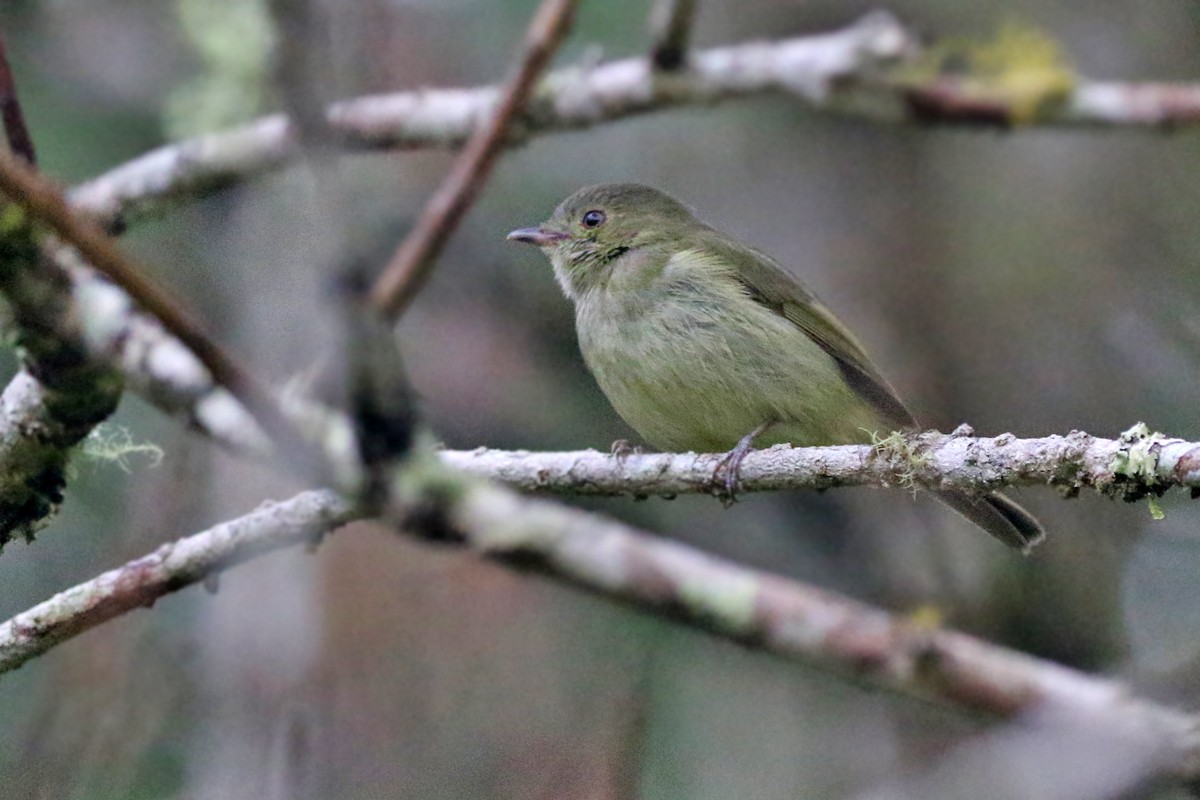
pixel 763 611
pixel 671 25
pixel 1136 465
pixel 45 204
pixel 409 267
pixel 15 129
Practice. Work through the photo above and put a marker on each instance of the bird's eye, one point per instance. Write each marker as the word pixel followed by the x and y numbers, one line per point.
pixel 594 218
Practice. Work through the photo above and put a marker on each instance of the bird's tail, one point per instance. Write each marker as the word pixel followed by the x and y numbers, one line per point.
pixel 997 515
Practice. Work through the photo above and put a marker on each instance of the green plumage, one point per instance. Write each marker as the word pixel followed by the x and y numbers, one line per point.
pixel 698 339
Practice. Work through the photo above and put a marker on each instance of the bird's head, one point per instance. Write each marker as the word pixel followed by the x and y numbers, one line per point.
pixel 599 226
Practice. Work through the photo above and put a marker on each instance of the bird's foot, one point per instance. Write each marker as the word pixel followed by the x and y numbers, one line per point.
pixel 728 471
pixel 621 449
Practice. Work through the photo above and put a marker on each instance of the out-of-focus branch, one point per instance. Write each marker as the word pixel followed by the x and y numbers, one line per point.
pixel 671 25
pixel 35 444
pixel 43 202
pixel 409 267
pixel 15 129
pixel 1138 464
pixel 60 395
pixel 843 72
pixel 304 518
pixel 762 611
pixel 817 68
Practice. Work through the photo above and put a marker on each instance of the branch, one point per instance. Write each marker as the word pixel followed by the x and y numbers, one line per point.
pixel 304 518
pixel 761 611
pixel 671 23
pixel 842 72
pixel 1138 464
pixel 413 261
pixel 567 99
pixel 35 446
pixel 44 204
pixel 15 129
pixel 60 395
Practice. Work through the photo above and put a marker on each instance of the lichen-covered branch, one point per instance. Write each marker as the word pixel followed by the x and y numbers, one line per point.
pixel 35 447
pixel 1137 464
pixel 850 71
pixel 762 611
pixel 80 337
pixel 44 204
pixel 804 623
pixel 61 393
pixel 304 518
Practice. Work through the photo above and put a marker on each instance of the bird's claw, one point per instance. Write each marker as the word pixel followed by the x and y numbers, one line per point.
pixel 727 474
pixel 725 477
pixel 621 449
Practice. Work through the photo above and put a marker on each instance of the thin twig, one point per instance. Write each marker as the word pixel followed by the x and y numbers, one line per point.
pixel 15 128
pixel 44 203
pixel 414 259
pixel 671 23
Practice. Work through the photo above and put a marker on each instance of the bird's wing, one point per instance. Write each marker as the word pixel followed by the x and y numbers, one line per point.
pixel 767 283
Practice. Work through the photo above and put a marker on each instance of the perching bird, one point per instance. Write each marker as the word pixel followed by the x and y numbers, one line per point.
pixel 704 343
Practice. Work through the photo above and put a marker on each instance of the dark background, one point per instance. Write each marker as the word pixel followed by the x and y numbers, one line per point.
pixel 1035 282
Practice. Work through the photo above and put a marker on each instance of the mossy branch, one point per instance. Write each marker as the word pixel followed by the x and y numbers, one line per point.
pixel 1136 465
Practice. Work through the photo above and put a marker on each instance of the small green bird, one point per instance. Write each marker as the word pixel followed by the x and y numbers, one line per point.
pixel 703 343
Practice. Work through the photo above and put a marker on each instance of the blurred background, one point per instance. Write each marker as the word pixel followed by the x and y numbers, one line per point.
pixel 1034 282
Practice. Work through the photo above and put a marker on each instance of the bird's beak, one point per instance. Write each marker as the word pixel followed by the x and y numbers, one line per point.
pixel 537 236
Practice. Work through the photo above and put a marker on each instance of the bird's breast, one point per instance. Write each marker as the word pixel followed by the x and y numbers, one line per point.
pixel 691 369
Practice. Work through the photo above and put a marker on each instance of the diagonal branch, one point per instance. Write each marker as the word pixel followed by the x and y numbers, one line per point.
pixel 173 566
pixel 410 266
pixel 762 611
pixel 15 129
pixel 43 202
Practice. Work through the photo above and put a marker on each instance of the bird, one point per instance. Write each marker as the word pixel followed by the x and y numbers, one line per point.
pixel 704 343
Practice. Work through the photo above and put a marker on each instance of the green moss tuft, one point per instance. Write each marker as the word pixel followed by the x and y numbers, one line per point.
pixel 901 455
pixel 1022 70
pixel 114 444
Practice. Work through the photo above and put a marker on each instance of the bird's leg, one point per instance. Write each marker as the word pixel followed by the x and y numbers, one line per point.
pixel 725 486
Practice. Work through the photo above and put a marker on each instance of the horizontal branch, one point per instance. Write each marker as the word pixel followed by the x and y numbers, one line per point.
pixel 1138 464
pixel 762 611
pixel 844 72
